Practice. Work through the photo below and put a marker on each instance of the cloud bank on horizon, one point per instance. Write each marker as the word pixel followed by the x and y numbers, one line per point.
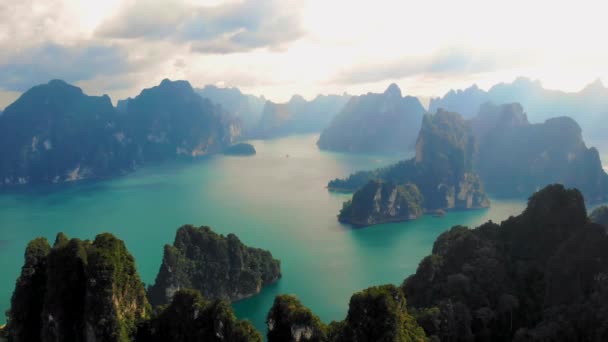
pixel 281 47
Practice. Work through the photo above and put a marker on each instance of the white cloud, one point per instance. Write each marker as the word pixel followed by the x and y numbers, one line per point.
pixel 221 28
pixel 312 46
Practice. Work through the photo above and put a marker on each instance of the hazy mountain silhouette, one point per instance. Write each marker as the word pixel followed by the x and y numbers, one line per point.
pixel 589 107
pixel 298 115
pixel 385 123
pixel 515 157
pixel 245 107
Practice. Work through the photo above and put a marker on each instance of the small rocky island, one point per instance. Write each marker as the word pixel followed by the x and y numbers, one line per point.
pixel 389 203
pixel 240 149
pixel 220 267
pixel 440 177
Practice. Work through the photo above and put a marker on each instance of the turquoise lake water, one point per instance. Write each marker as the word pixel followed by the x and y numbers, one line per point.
pixel 269 200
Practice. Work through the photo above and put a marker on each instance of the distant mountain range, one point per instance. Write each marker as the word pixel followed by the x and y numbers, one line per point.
pixel 589 107
pixel 247 108
pixel 298 115
pixel 377 123
pixel 55 133
pixel 262 118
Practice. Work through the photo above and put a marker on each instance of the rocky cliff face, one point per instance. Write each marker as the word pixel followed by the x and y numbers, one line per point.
pixel 375 314
pixel 516 158
pixel 77 291
pixel 380 123
pixel 221 267
pixel 55 133
pixel 379 202
pixel 539 276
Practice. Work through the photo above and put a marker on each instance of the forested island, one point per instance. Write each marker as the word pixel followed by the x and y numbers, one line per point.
pixel 505 155
pixel 439 177
pixel 379 202
pixel 538 276
pixel 220 267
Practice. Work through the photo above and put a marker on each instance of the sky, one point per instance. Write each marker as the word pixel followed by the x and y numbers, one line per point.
pixel 278 48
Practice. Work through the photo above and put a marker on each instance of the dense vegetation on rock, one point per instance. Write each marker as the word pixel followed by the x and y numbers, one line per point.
pixel 289 320
pixel 298 115
pixel 76 291
pixel 90 291
pixel 55 133
pixel 539 276
pixel 442 169
pixel 191 318
pixel 379 202
pixel 220 267
pixel 517 158
pixel 240 149
pixel 588 106
pixel 384 123
pixel 375 314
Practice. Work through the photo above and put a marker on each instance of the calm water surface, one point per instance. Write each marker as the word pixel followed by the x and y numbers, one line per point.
pixel 270 200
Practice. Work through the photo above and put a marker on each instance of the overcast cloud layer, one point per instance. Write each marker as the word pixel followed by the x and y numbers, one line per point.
pixel 281 47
